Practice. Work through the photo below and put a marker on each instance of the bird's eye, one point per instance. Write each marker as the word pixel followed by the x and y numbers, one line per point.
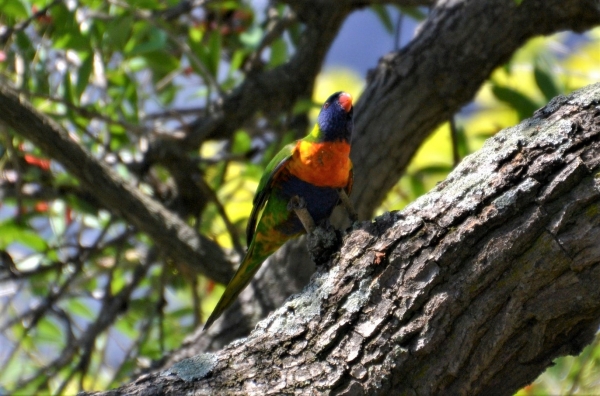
pixel 326 105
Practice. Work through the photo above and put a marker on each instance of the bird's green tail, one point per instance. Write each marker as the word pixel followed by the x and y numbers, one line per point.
pixel 240 280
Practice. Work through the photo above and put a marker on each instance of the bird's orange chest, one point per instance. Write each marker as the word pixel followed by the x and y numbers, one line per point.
pixel 322 164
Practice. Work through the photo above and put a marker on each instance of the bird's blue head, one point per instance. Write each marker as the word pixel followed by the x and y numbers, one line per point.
pixel 335 118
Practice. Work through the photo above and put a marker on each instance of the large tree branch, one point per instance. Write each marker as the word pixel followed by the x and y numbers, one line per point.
pixel 174 237
pixel 473 289
pixel 414 90
pixel 408 95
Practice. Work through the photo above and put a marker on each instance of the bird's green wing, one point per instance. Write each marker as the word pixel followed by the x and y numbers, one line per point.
pixel 253 259
pixel 264 187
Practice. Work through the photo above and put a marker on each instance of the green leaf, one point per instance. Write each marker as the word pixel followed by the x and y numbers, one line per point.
pixel 118 31
pixel 24 43
pixel 518 2
pixel 14 8
pixel 196 34
pixel 252 37
pixel 515 99
pixel 10 233
pixel 161 63
pixel 48 331
pixel 141 306
pixel 214 45
pixel 416 184
pixel 279 53
pixel 384 17
pixel 68 90
pixel 241 143
pixel 168 94
pixel 545 81
pixel 83 76
pixel 118 137
pixel 126 327
pixel 157 40
pixel 66 30
pixel 181 312
pixel 462 142
pixel 413 12
pixel 237 60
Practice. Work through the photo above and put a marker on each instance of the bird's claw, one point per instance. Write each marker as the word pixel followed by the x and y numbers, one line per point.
pixel 298 205
pixel 348 205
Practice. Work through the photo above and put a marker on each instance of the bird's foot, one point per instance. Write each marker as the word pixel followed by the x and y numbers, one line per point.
pixel 298 205
pixel 323 242
pixel 345 199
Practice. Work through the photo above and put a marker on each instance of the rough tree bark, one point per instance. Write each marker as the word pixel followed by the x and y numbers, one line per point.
pixel 473 289
pixel 408 95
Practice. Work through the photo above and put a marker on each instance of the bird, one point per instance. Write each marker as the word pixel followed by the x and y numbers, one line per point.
pixel 316 172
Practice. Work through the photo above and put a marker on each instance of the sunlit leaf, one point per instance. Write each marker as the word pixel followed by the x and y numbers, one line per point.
pixel 10 233
pixel 546 82
pixel 13 8
pixel 515 99
pixel 83 77
pixel 384 17
pixel 78 307
pixel 241 143
pixel 252 37
pixel 49 332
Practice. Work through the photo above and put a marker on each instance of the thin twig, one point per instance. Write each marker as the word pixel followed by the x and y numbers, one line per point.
pixel 196 302
pixel 454 137
pixel 111 307
pixel 160 305
pixel 23 25
pixel 231 229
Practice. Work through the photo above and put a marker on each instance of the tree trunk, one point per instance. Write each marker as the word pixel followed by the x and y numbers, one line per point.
pixel 473 289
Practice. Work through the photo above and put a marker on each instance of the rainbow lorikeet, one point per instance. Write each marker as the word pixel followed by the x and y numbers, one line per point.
pixel 315 169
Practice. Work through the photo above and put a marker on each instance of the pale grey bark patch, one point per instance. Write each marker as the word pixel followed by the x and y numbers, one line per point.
pixel 194 368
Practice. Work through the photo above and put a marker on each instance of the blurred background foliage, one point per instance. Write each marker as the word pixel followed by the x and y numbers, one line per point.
pixel 116 75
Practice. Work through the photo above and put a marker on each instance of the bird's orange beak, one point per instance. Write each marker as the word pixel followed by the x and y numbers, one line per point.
pixel 346 101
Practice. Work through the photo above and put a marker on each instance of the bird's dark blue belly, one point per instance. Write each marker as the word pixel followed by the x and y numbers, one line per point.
pixel 320 202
